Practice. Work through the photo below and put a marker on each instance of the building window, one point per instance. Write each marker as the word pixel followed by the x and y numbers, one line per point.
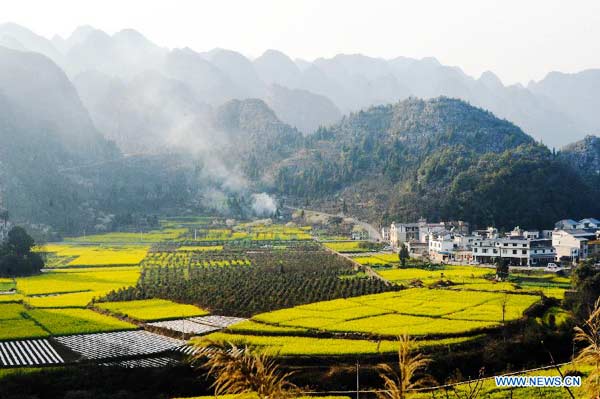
pixel 484 251
pixel 514 251
pixel 524 252
pixel 495 251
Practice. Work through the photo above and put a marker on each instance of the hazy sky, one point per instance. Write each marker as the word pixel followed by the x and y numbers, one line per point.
pixel 519 40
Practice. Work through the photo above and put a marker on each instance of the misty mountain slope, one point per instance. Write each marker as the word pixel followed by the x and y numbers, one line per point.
pixel 40 89
pixel 45 131
pixel 302 109
pixel 575 94
pixel 275 67
pixel 439 158
pixel 76 37
pixel 149 113
pixel 124 54
pixel 257 138
pixel 30 41
pixel 240 70
pixel 557 110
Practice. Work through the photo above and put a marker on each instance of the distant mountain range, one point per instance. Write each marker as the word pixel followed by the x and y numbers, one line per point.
pixel 557 110
pixel 96 128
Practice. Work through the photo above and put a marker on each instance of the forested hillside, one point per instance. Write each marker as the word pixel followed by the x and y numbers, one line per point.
pixel 441 159
pixel 584 157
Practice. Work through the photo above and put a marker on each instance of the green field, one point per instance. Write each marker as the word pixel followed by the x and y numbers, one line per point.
pixel 17 322
pixel 6 284
pixel 76 321
pixel 152 309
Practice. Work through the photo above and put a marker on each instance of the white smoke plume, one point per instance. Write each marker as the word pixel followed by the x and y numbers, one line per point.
pixel 263 204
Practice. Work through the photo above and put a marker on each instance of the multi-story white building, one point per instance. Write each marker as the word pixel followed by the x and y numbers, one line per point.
pixel 401 233
pixel 572 244
pixel 516 250
pixel 385 234
pixel 451 247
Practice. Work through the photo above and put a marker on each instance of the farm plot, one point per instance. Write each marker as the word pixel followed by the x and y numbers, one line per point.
pixel 15 323
pixel 185 326
pixel 218 321
pixel 347 246
pixel 66 255
pixel 457 274
pixel 6 284
pixel 311 346
pixel 100 280
pixel 196 258
pixel 34 352
pixel 119 344
pixel 418 312
pixel 198 325
pixel 128 238
pixel 378 259
pixel 276 279
pixel 76 321
pixel 152 309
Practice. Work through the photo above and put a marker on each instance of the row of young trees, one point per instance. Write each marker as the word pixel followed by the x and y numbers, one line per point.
pixel 276 279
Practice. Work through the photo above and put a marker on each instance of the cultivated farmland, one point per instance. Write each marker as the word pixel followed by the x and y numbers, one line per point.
pixel 418 312
pixel 151 309
pixel 64 255
pixel 296 274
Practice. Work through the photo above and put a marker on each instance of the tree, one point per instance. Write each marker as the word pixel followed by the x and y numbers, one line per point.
pixel 586 281
pixel 16 257
pixel 240 371
pixel 589 335
pixel 502 268
pixel 19 242
pixel 409 374
pixel 403 255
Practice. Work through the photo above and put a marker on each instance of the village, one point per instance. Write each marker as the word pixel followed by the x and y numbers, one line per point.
pixel 569 243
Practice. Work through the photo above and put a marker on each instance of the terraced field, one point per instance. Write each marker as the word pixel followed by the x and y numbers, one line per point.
pixel 74 287
pixel 418 312
pixel 475 278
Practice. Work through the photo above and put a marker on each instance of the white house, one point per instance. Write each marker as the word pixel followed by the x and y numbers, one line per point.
pixel 588 223
pixel 385 234
pixel 572 244
pixel 451 247
pixel 566 224
pixel 420 232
